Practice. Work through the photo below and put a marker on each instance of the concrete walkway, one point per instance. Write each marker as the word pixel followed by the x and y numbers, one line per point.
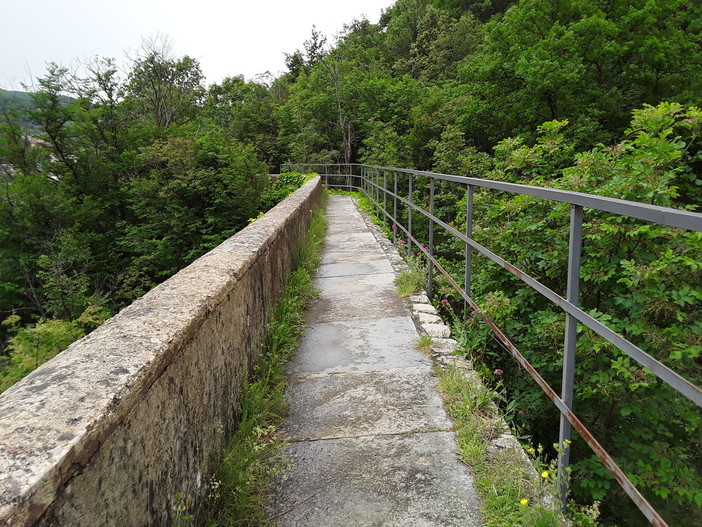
pixel 370 441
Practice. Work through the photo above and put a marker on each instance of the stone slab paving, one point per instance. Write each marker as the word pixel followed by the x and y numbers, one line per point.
pixel 350 346
pixel 371 444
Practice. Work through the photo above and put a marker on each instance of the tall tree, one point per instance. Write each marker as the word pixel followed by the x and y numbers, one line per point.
pixel 166 88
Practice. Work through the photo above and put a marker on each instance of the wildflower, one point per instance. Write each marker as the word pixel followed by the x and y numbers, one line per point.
pixel 394 228
pixel 401 242
pixel 531 450
pixel 498 371
pixel 567 442
pixel 544 474
pixel 444 301
pixel 520 412
pixel 524 501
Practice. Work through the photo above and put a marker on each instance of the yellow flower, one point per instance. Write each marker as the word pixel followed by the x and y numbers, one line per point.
pixel 544 474
pixel 524 501
pixel 567 441
pixel 531 450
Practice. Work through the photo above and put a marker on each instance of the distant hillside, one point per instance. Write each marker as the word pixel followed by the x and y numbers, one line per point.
pixel 22 102
pixel 17 97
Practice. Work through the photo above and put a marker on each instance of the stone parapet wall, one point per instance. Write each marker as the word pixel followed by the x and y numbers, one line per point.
pixel 129 422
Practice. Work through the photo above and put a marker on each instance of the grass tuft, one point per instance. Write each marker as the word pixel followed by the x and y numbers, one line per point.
pixel 253 455
pixel 509 491
pixel 424 343
pixel 410 283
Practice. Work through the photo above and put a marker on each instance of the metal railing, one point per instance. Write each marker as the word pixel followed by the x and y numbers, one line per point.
pixel 373 182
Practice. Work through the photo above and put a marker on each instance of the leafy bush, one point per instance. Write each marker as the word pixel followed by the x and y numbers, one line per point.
pixel 284 185
pixel 33 345
pixel 641 279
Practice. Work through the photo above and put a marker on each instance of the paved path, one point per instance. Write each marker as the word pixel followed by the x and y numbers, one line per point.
pixel 370 441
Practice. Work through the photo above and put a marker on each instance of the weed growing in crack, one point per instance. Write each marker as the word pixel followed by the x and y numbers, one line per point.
pixel 410 283
pixel 424 343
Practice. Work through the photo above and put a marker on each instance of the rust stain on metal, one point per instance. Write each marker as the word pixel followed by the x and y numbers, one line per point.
pixel 514 270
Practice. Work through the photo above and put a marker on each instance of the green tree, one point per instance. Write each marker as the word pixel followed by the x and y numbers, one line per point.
pixel 247 111
pixel 167 89
pixel 588 62
pixel 132 179
pixel 638 278
pixel 35 344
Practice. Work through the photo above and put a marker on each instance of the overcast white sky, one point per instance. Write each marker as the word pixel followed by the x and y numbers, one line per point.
pixel 227 37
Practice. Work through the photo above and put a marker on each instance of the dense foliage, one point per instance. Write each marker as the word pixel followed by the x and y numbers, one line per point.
pixel 21 105
pixel 117 187
pixel 642 280
pixel 139 175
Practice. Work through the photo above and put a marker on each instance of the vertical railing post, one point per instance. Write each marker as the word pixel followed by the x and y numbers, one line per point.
pixel 385 196
pixel 369 187
pixel 366 182
pixel 377 191
pixel 394 207
pixel 369 172
pixel 409 217
pixel 430 273
pixel 572 293
pixel 469 234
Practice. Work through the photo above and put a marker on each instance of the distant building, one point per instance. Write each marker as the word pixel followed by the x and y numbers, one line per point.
pixel 35 141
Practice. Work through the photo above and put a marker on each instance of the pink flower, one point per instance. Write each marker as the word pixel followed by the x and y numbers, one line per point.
pixel 520 412
pixel 444 301
pixel 394 228
pixel 498 371
pixel 401 242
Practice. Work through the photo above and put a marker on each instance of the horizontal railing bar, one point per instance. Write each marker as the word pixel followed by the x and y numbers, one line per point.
pixel 654 213
pixel 663 372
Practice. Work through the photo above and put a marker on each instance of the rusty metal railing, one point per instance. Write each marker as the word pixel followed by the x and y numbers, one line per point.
pixel 373 182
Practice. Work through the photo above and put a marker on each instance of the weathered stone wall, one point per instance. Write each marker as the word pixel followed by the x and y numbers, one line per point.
pixel 113 429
